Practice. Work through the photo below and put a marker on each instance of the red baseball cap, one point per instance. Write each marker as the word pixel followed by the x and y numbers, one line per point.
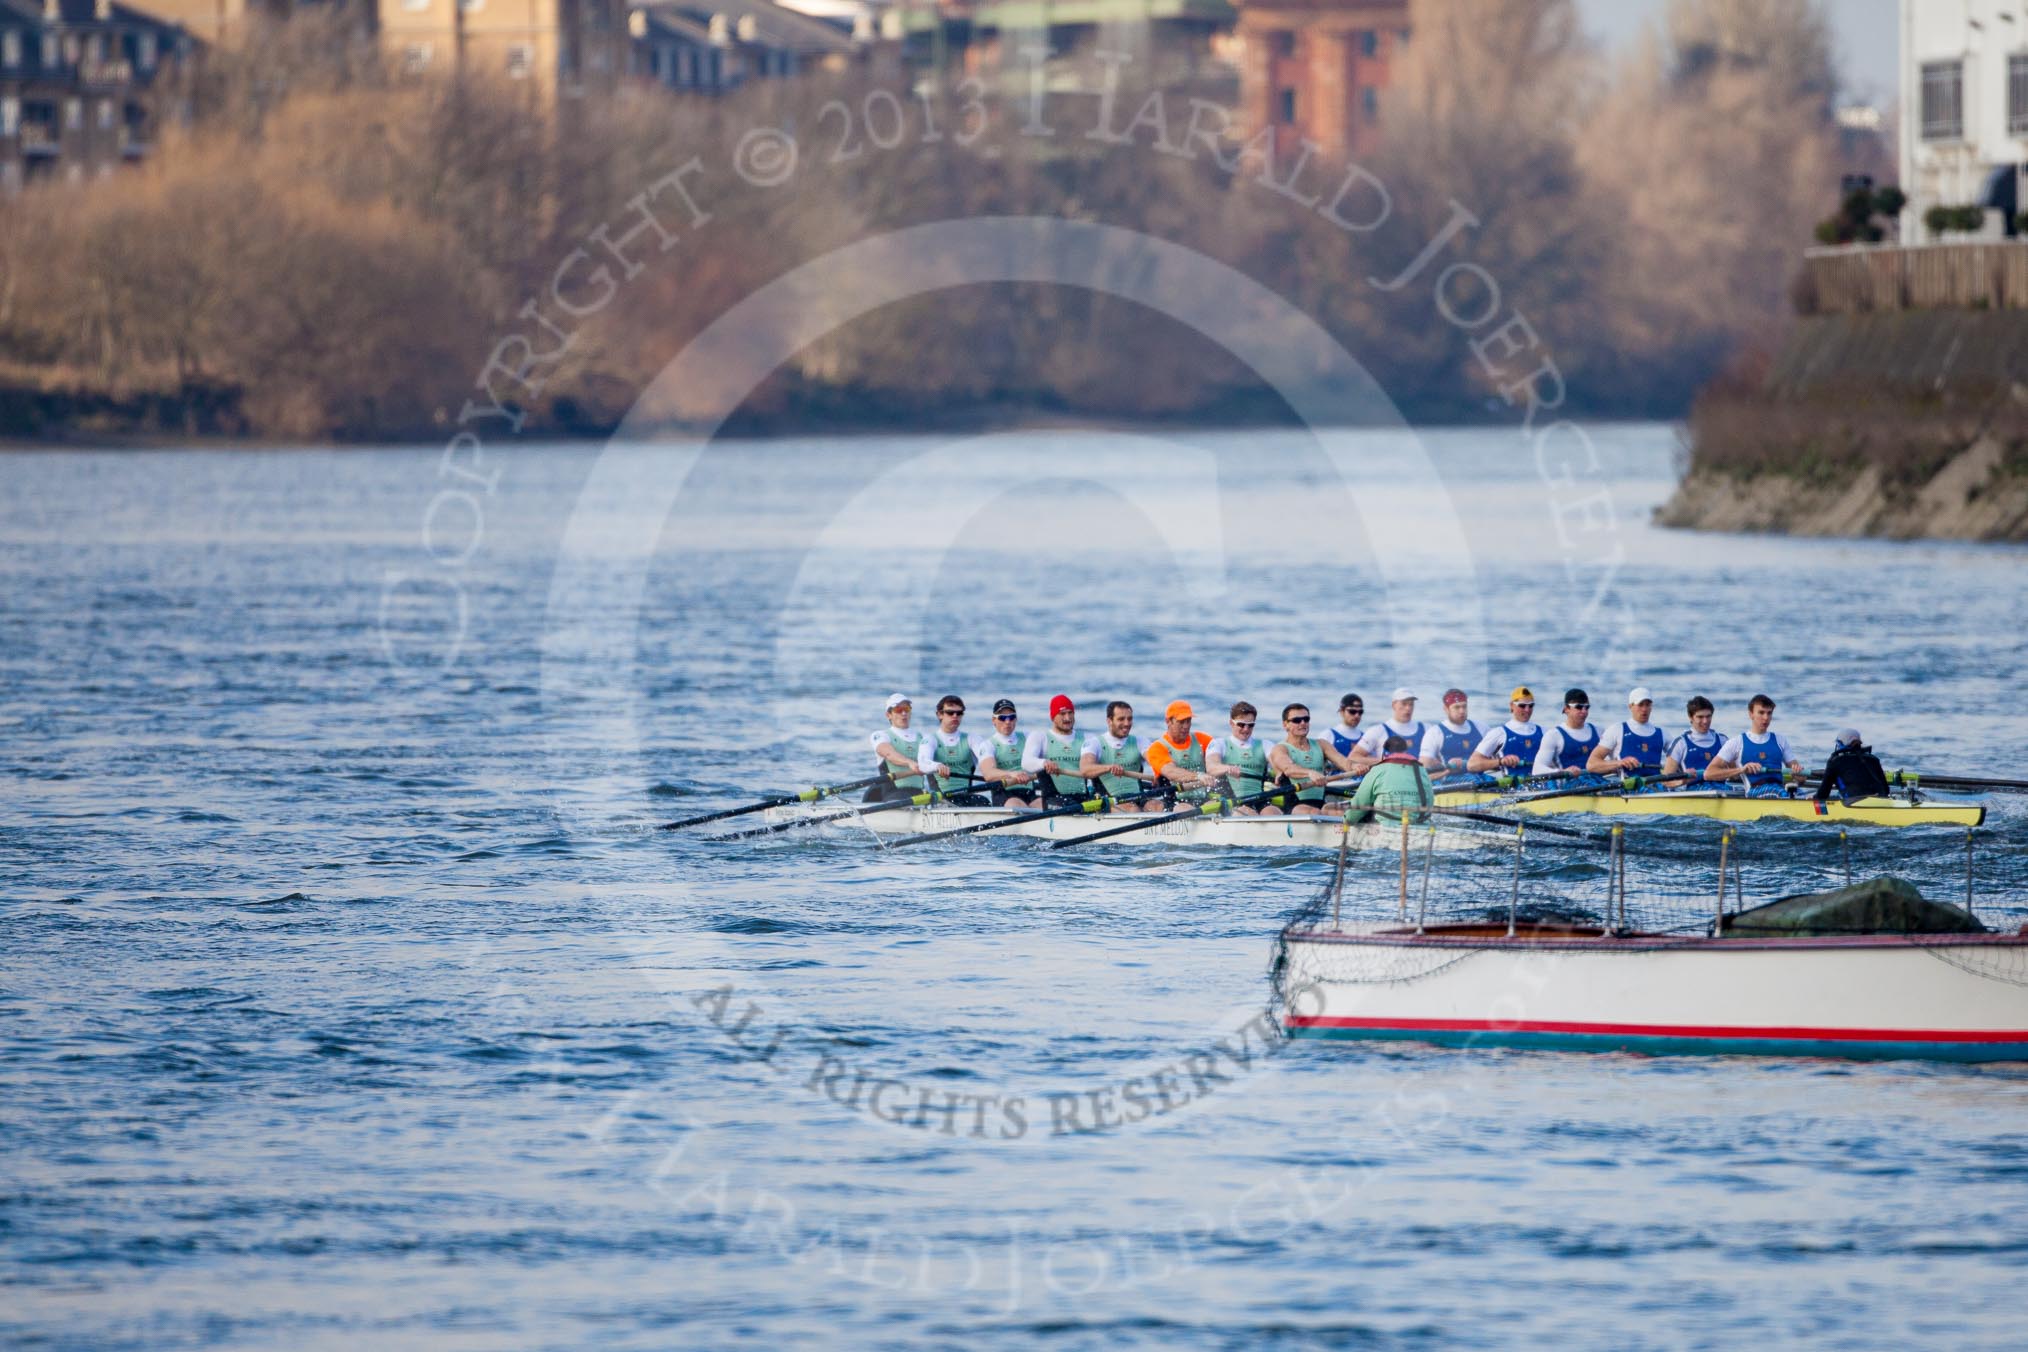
pixel 1059 704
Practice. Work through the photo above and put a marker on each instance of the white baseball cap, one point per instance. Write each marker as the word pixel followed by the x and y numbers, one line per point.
pixel 1639 695
pixel 1403 692
pixel 897 698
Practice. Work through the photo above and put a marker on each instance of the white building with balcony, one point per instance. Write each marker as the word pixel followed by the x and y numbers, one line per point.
pixel 1964 109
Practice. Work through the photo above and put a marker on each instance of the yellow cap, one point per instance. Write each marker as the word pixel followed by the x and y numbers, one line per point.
pixel 1521 692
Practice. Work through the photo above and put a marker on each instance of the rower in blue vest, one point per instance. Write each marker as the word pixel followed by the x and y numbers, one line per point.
pixel 1512 745
pixel 895 748
pixel 1447 747
pixel 1342 743
pixel 1566 748
pixel 1694 750
pixel 1757 756
pixel 1403 725
pixel 1635 746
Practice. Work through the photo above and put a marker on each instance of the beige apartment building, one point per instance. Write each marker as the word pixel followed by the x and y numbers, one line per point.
pixel 563 49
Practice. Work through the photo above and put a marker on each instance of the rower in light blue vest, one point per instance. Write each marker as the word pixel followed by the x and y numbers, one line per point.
pixel 1692 752
pixel 1057 752
pixel 1298 760
pixel 1634 746
pixel 896 748
pixel 1758 757
pixel 1567 747
pixel 1000 757
pixel 1115 762
pixel 1240 758
pixel 947 758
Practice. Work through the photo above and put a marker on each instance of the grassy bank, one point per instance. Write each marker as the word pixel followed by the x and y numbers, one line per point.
pixel 1905 425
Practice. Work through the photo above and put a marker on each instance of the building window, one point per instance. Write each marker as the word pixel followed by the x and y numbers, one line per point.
pixel 1943 101
pixel 97 47
pixel 10 48
pixel 520 60
pixel 144 51
pixel 49 59
pixel 1282 42
pixel 1369 103
pixel 105 114
pixel 10 178
pixel 2017 96
pixel 415 58
pixel 686 68
pixel 72 48
pixel 1285 107
pixel 1369 43
pixel 10 115
pixel 73 114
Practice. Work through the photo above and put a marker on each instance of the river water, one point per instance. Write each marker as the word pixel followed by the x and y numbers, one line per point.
pixel 348 993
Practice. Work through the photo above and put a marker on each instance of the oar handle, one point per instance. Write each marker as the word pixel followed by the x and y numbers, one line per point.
pixel 1210 807
pixel 1084 806
pixel 1625 784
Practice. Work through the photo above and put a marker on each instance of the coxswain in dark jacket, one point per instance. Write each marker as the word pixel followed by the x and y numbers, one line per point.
pixel 1853 772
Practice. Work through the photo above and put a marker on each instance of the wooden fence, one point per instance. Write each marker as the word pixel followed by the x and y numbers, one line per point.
pixel 1855 280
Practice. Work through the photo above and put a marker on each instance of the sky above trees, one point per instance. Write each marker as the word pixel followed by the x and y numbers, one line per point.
pixel 1867 34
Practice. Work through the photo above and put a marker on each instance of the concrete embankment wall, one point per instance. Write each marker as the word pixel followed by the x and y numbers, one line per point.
pixel 1905 424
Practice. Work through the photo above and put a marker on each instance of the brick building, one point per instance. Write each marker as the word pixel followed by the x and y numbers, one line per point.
pixel 1315 70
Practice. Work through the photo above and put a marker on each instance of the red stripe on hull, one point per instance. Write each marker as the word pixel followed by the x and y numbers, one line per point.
pixel 1665 1030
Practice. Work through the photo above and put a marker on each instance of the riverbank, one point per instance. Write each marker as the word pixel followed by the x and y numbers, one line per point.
pixel 1903 425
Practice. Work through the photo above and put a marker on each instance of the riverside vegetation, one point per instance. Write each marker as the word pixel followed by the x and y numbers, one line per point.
pixel 328 253
pixel 1904 425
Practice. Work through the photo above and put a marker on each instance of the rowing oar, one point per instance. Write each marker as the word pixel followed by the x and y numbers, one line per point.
pixel 1915 780
pixel 1500 783
pixel 1494 818
pixel 1626 784
pixel 1210 807
pixel 1088 806
pixel 788 800
pixel 923 799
